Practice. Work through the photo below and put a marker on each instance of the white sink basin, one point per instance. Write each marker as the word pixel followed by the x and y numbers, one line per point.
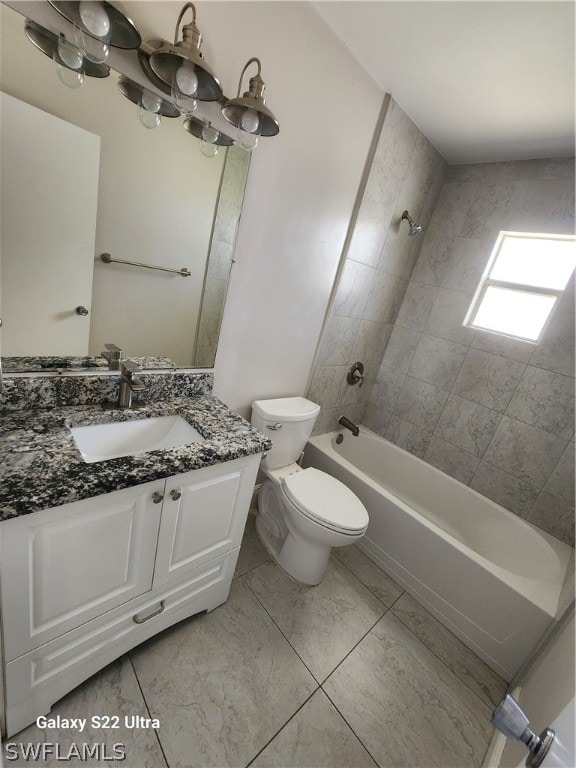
pixel 99 442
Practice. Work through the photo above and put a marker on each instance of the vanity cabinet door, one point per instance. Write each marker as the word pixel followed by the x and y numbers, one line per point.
pixel 203 516
pixel 62 567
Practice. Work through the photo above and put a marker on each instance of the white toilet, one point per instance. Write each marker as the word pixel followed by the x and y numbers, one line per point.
pixel 302 513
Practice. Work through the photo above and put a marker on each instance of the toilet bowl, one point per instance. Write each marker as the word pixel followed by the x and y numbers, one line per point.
pixel 302 513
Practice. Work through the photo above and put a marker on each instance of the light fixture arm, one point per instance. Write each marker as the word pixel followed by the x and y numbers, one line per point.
pixel 191 37
pixel 256 86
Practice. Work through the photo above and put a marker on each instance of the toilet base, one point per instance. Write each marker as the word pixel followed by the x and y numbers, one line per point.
pixel 303 561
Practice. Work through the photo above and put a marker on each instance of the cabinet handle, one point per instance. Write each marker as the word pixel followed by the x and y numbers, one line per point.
pixel 157 497
pixel 136 620
pixel 175 495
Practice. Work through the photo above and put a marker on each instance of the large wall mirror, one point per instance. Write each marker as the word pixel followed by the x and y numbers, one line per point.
pixel 82 177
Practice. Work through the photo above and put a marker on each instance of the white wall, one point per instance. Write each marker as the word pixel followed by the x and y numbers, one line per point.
pixel 300 193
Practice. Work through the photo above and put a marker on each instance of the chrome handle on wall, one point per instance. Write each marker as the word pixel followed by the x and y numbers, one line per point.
pixel 275 427
pixel 511 720
pixel 136 620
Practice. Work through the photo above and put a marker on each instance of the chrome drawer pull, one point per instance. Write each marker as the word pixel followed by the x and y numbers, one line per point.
pixel 276 426
pixel 157 497
pixel 175 495
pixel 136 620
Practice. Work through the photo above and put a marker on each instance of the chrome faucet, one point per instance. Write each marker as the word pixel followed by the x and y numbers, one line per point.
pixel 129 383
pixel 349 425
pixel 114 356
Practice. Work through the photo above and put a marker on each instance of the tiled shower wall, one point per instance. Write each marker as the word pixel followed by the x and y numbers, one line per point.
pixel 406 173
pixel 494 413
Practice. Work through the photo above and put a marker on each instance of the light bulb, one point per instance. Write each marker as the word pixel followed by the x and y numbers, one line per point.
pixel 250 122
pixel 71 78
pixel 248 141
pixel 94 50
pixel 150 101
pixel 94 17
pixel 69 55
pixel 209 134
pixel 208 150
pixel 148 119
pixel 186 79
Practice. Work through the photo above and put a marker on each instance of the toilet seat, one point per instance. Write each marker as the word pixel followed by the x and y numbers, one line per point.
pixel 326 501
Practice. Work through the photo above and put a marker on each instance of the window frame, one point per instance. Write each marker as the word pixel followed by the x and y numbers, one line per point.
pixel 486 282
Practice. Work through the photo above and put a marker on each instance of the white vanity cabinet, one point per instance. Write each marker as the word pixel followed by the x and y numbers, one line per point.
pixel 84 582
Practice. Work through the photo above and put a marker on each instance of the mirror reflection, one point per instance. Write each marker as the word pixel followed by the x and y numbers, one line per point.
pixel 82 177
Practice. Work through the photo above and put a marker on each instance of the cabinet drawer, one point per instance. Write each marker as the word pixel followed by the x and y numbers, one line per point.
pixel 64 566
pixel 35 681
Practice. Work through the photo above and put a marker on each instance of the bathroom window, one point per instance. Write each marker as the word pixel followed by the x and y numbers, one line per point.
pixel 525 276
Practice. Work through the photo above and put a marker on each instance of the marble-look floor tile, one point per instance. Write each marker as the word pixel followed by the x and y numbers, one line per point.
pixel 252 552
pixel 373 577
pixel 316 737
pixel 114 692
pixel 222 684
pixel 406 706
pixel 322 623
pixel 461 660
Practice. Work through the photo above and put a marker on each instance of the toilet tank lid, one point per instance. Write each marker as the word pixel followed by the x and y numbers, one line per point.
pixel 286 409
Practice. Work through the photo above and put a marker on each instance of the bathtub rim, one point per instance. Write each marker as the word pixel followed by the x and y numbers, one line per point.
pixel 545 594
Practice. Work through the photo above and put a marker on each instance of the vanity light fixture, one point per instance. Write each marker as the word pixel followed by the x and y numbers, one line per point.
pixel 97 26
pixel 70 63
pixel 209 136
pixel 150 106
pixel 249 112
pixel 415 229
pixel 181 66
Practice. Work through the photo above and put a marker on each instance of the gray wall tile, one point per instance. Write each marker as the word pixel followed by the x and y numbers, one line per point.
pixel 447 316
pixel 437 361
pixel 488 379
pixel 434 260
pixel 452 460
pixel 516 495
pixel 554 516
pixel 338 340
pixel 525 451
pixel 401 348
pixel 515 349
pixel 389 382
pixel 468 425
pixel 406 435
pixel 468 259
pixel 353 290
pixel 419 403
pixel 418 301
pixel 561 481
pixel 545 400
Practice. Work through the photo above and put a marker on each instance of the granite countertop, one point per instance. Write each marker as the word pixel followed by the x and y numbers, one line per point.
pixel 41 467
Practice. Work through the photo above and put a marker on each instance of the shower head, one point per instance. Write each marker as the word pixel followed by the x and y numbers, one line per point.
pixel 415 229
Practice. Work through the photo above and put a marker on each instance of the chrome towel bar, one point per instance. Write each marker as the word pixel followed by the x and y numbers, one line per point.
pixel 107 259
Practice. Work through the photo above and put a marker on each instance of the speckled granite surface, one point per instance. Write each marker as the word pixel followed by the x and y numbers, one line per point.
pixel 55 391
pixel 41 467
pixel 12 364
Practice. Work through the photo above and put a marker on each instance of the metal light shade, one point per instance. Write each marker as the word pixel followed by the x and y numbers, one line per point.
pixel 133 92
pixel 234 109
pixel 123 33
pixel 195 127
pixel 47 42
pixel 144 52
pixel 166 61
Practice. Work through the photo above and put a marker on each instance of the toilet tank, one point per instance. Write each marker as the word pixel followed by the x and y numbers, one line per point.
pixel 288 422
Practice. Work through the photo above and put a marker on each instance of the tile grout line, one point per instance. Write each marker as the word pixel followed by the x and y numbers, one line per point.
pixel 292 716
pixel 349 726
pixel 366 585
pixel 280 630
pixel 147 709
pixel 489 705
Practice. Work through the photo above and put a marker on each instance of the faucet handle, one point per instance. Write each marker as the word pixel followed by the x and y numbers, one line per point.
pixel 130 367
pixel 113 355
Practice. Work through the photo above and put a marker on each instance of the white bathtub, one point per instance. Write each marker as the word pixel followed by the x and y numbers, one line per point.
pixel 489 576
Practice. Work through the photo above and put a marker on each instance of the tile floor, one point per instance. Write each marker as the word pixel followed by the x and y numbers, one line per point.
pixel 347 674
